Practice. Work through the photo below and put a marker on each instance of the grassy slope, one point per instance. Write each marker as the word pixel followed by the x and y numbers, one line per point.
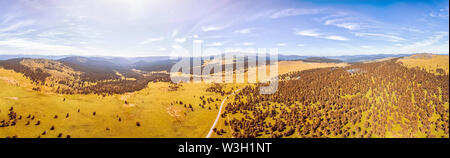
pixel 291 66
pixel 430 64
pixel 151 107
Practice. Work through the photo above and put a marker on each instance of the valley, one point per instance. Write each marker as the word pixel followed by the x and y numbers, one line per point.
pixel 78 98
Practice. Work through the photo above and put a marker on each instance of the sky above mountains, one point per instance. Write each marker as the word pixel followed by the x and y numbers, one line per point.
pixel 156 27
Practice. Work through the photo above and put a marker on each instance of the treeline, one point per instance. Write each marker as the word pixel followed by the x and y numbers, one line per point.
pixel 36 75
pixel 96 80
pixel 380 99
pixel 217 88
pixel 117 86
pixel 93 73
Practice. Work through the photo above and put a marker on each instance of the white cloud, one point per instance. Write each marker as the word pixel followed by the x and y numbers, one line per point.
pixel 350 26
pixel 427 42
pixel 410 29
pixel 151 40
pixel 248 43
pixel 180 40
pixel 175 46
pixel 24 46
pixel 442 13
pixel 245 44
pixel 50 34
pixel 437 43
pixel 379 36
pixel 16 26
pixel 311 33
pixel 334 37
pixel 295 12
pixel 366 47
pixel 174 33
pixel 244 31
pixel 334 21
pixel 211 28
pixel 300 45
pixel 240 50
pixel 314 33
pixel 213 37
pixel 281 44
pixel 8 17
pixel 30 45
pixel 347 23
pixel 17 33
pixel 162 49
pixel 262 14
pixel 215 44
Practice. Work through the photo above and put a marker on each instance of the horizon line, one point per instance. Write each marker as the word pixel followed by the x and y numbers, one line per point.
pixel 71 55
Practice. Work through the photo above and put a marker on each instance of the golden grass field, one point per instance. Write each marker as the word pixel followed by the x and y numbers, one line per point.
pixel 151 107
pixel 428 62
pixel 291 66
pixel 154 108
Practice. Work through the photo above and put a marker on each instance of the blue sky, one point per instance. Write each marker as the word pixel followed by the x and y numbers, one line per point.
pixel 149 28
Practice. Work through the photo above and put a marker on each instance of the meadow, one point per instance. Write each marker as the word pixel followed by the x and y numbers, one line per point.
pixel 154 111
pixel 153 108
pixel 160 110
pixel 429 62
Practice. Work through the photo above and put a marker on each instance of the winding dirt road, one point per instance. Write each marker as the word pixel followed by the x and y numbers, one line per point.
pixel 220 112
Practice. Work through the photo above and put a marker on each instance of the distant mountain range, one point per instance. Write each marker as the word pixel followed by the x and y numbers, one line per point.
pixel 321 60
pixel 361 58
pixel 132 60
pixel 109 65
pixel 164 63
pixel 127 74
